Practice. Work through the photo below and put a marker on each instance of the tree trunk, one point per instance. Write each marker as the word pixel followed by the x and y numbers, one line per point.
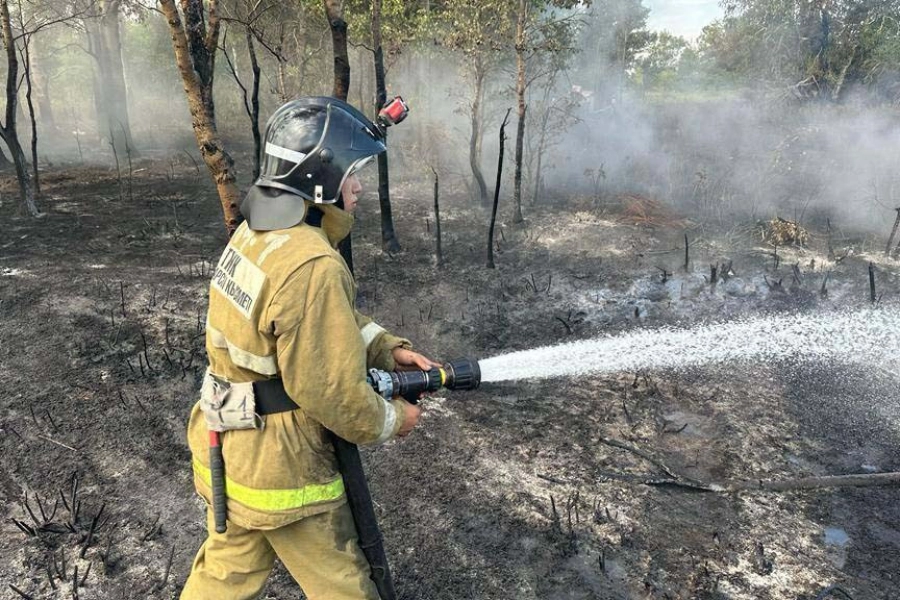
pixel 282 63
pixel 195 57
pixel 254 105
pixel 29 88
pixel 26 193
pixel 334 14
pixel 41 89
pixel 26 54
pixel 360 93
pixel 341 87
pixel 520 101
pixel 110 92
pixel 475 137
pixel 95 49
pixel 115 89
pixel 538 184
pixel 542 142
pixel 8 129
pixel 389 241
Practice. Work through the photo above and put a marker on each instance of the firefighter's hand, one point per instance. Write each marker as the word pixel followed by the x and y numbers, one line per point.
pixel 407 359
pixel 410 417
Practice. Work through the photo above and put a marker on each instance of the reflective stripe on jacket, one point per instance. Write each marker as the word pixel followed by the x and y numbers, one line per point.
pixel 281 304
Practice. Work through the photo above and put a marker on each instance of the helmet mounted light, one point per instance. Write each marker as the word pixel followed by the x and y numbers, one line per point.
pixel 393 112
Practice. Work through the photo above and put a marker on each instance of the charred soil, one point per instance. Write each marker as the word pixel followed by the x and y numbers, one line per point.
pixel 517 490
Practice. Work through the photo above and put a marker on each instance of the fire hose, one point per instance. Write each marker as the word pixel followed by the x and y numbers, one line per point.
pixel 461 374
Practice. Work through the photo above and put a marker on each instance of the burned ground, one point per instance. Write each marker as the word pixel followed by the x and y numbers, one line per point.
pixel 511 491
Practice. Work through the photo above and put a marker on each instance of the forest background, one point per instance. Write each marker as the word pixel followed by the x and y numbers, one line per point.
pixel 601 101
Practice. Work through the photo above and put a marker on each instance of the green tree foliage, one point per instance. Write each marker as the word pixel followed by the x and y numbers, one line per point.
pixel 821 48
pixel 614 34
pixel 657 67
pixel 403 24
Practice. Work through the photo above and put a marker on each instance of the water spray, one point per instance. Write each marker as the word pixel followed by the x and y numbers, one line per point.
pixel 865 337
pixel 862 337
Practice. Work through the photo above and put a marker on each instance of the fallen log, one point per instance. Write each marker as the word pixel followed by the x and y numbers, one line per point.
pixel 764 485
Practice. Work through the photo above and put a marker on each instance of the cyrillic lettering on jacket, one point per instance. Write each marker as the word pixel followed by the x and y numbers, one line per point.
pixel 239 280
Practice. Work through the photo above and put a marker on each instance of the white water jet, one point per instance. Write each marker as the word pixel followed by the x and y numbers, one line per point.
pixel 870 337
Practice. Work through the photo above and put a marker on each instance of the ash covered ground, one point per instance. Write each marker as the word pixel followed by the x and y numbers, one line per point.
pixel 518 490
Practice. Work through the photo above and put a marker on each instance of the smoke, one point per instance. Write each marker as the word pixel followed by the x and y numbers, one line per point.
pixel 721 156
pixel 733 159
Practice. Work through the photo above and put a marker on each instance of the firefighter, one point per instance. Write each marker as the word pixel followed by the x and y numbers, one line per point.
pixel 288 356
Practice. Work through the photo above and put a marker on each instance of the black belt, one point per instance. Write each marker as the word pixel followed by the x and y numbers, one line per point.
pixel 271 397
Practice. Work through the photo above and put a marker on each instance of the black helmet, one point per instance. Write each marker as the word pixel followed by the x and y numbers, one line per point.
pixel 311 146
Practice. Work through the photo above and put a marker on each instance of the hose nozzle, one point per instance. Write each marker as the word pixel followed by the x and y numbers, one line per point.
pixel 462 374
pixel 459 374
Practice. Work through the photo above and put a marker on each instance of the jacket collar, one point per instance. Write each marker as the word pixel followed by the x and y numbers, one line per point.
pixel 336 222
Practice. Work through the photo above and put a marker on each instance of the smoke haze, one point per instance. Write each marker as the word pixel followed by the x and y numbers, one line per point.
pixel 730 156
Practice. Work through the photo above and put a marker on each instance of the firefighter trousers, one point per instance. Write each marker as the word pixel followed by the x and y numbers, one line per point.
pixel 320 552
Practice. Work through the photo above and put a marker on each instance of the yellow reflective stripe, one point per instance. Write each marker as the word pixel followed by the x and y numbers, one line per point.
pixel 275 500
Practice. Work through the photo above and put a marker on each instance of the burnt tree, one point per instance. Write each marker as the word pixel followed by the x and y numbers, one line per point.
pixel 26 67
pixel 438 254
pixel 195 44
pixel 249 97
pixel 490 249
pixel 253 108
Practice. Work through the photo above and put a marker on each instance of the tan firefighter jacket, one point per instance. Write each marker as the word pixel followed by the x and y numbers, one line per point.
pixel 281 304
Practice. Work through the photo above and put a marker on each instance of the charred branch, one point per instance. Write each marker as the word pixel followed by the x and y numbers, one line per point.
pixel 20 592
pixel 93 528
pixel 490 249
pixel 438 254
pixel 642 454
pixel 873 298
